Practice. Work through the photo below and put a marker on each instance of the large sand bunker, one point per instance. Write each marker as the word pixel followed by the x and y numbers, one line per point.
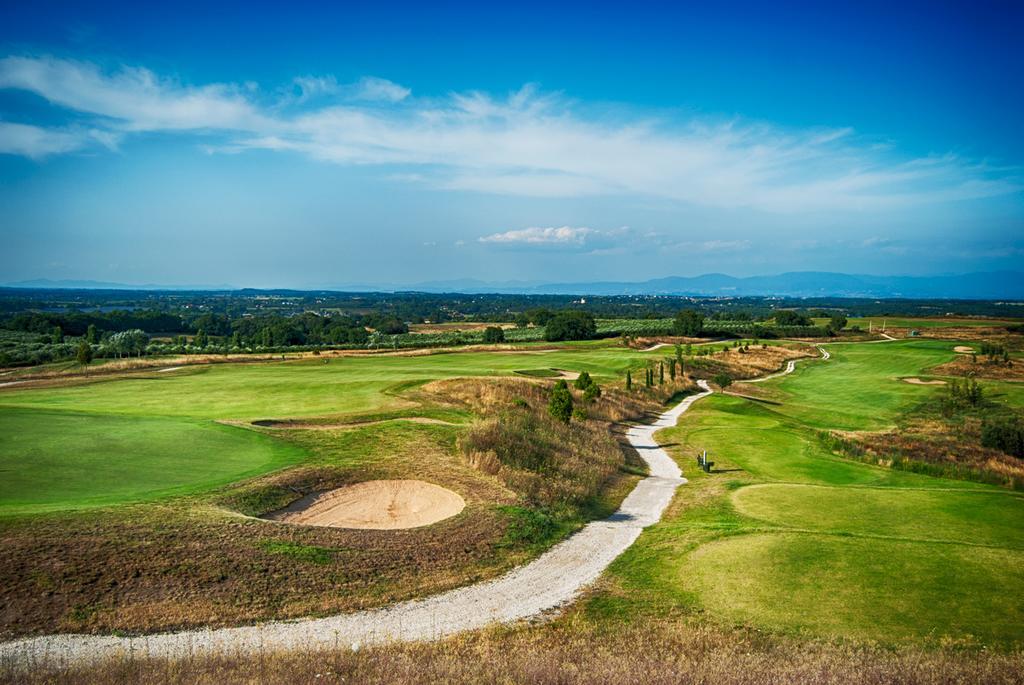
pixel 963 349
pixel 919 381
pixel 375 504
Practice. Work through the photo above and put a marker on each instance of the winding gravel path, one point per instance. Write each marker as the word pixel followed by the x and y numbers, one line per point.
pixel 790 367
pixel 548 582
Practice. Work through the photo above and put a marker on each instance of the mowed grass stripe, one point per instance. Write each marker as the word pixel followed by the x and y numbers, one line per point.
pixel 53 460
pixel 861 588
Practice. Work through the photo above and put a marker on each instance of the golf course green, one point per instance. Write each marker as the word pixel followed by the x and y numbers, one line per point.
pixel 785 536
pixel 150 435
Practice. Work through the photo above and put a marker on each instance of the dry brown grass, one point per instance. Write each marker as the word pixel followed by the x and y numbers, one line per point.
pixel 552 465
pixel 564 654
pixel 964 365
pixel 950 448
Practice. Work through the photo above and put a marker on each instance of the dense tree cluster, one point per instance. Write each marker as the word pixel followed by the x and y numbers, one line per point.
pixel 570 325
pixel 689 322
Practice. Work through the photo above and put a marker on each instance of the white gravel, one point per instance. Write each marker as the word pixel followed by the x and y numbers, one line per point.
pixel 548 582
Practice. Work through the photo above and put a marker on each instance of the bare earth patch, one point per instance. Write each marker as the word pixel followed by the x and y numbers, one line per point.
pixel 918 381
pixel 375 504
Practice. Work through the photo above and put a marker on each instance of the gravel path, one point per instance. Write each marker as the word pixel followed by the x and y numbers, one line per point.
pixel 548 582
pixel 790 368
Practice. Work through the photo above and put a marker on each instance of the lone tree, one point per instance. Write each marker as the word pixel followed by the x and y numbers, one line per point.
pixel 837 322
pixel 84 353
pixel 629 380
pixel 570 325
pixel 494 334
pixel 661 373
pixel 583 381
pixel 560 404
pixel 91 335
pixel 672 368
pixel 689 322
pixel 722 380
pixel 592 393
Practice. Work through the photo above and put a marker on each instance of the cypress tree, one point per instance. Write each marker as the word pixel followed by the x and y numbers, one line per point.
pixel 629 380
pixel 560 404
pixel 661 373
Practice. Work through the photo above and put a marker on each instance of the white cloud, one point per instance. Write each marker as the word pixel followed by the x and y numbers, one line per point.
pixel 562 235
pixel 38 143
pixel 312 86
pixel 134 96
pixel 379 89
pixel 527 143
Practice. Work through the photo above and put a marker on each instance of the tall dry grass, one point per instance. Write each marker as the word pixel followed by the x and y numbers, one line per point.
pixel 565 655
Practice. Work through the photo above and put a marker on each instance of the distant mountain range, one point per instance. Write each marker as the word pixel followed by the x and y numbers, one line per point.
pixel 974 286
pixel 46 283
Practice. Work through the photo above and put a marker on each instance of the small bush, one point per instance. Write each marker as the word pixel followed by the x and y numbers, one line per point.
pixel 1005 434
pixel 560 404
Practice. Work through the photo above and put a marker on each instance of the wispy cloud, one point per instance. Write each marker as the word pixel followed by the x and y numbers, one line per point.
pixel 379 90
pixel 36 142
pixel 563 235
pixel 526 143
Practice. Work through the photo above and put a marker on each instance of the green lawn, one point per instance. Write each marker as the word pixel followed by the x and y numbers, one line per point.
pixel 859 388
pixel 787 537
pixel 151 435
pixel 68 460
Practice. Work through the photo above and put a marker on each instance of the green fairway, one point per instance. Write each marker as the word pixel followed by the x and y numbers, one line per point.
pixel 859 388
pixel 63 460
pixel 786 536
pixel 297 389
pixel 888 590
pixel 153 434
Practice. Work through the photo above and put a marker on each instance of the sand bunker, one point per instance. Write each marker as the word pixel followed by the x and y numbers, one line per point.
pixel 963 349
pixel 918 381
pixel 375 504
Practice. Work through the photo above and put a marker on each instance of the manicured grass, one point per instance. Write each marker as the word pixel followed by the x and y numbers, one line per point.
pixel 54 460
pixel 860 387
pixel 539 373
pixel 976 518
pixel 302 388
pixel 889 590
pixel 788 537
pixel 150 435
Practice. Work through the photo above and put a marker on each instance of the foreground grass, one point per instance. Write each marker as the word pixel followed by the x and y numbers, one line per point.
pixel 570 652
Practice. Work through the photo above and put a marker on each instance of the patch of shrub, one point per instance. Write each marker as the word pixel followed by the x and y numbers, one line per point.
pixel 494 334
pixel 1005 434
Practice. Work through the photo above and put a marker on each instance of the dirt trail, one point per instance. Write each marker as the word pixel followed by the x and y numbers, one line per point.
pixel 548 582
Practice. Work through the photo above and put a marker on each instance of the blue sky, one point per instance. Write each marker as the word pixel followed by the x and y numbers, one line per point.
pixel 398 143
